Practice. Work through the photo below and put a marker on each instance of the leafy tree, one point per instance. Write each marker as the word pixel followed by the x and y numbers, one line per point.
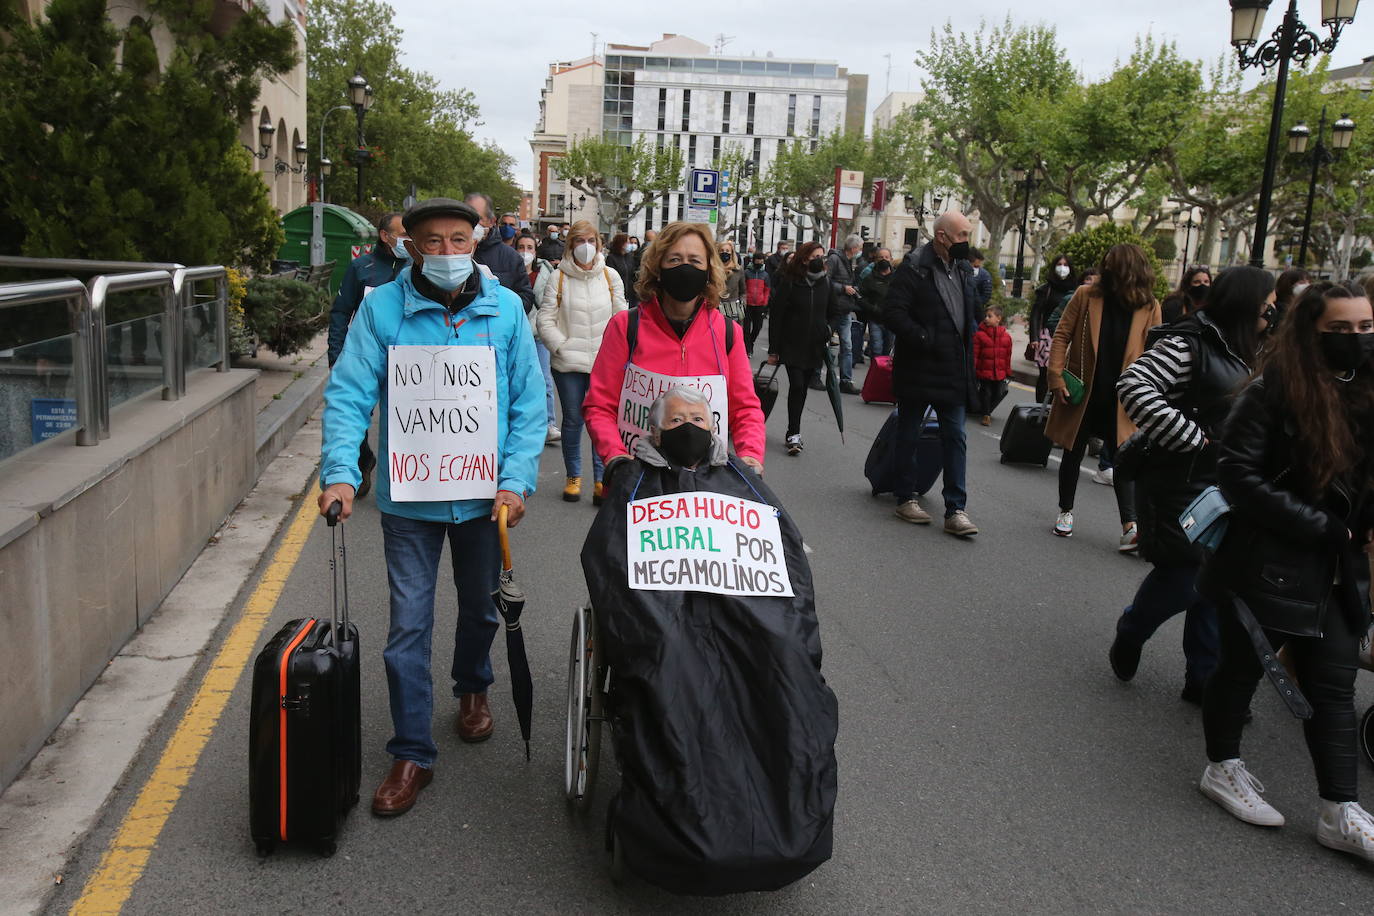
pixel 284 313
pixel 1100 141
pixel 623 179
pixel 417 133
pixel 978 86
pixel 116 155
pixel 1087 248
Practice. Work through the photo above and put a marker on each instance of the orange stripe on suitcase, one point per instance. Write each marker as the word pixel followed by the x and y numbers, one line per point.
pixel 283 666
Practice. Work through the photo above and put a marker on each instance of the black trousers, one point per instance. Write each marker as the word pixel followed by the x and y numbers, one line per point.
pixel 1326 667
pixel 1068 479
pixel 990 394
pixel 1042 384
pixel 754 317
pixel 796 397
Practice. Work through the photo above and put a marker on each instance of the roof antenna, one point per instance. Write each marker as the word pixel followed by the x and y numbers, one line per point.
pixel 594 34
pixel 721 41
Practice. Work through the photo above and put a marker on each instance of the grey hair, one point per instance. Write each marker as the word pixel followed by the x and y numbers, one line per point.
pixel 682 393
pixel 853 241
pixel 488 207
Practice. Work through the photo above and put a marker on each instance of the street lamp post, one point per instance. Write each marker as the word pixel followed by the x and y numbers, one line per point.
pixel 1342 132
pixel 360 97
pixel 1291 42
pixel 1028 179
pixel 1183 219
pixel 326 170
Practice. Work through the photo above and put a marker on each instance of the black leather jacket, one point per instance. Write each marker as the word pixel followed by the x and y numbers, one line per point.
pixel 1284 548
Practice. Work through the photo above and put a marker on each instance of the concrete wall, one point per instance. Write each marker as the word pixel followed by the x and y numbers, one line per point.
pixel 92 539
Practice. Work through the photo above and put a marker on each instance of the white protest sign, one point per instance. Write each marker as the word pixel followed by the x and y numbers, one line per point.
pixel 441 423
pixel 640 388
pixel 706 542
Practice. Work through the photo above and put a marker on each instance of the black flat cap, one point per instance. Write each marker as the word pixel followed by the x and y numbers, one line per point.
pixel 439 206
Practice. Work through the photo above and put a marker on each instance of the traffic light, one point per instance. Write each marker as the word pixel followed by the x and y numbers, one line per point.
pixel 863 233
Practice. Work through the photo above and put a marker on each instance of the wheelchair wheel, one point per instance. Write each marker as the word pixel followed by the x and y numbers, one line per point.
pixel 585 708
pixel 1367 735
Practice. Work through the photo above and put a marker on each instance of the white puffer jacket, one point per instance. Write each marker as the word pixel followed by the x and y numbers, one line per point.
pixel 573 311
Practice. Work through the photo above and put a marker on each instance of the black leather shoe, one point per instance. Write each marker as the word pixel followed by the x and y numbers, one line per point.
pixel 1125 658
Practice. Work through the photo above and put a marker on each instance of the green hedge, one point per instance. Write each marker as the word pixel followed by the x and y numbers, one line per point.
pixel 284 313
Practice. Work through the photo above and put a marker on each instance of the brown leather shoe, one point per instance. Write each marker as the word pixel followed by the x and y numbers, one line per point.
pixel 474 718
pixel 397 793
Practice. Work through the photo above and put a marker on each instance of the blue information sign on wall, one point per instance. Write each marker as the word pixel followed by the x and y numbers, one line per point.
pixel 51 416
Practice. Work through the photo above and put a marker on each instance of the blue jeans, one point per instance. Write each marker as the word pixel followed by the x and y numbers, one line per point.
pixel 953 451
pixel 544 358
pixel 572 389
pixel 412 551
pixel 841 327
pixel 1167 591
pixel 879 340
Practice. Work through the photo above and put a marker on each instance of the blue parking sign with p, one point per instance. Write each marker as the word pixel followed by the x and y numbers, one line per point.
pixel 704 188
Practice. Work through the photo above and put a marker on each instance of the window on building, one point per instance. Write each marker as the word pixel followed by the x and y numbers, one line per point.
pixel 728 66
pixel 791 115
pixel 680 64
pixel 679 208
pixel 758 154
pixel 715 150
pixel 816 116
pixel 778 68
pixel 691 151
pixel 725 117
pixel 753 66
pixel 803 69
pixel 649 215
pixel 662 108
pixel 749 113
pixel 655 63
pixel 826 71
pixel 686 108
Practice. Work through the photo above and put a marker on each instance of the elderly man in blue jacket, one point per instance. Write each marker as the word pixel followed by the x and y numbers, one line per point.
pixel 443 315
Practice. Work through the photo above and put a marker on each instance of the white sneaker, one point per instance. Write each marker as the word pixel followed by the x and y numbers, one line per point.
pixel 1346 827
pixel 1063 525
pixel 794 445
pixel 1235 788
pixel 1130 539
pixel 553 434
pixel 1106 478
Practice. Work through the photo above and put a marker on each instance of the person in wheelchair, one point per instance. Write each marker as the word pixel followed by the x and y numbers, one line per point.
pixel 723 726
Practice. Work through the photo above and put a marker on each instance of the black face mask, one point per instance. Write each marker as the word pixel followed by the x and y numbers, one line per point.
pixel 684 445
pixel 683 282
pixel 882 267
pixel 1345 352
pixel 816 267
pixel 959 251
pixel 1199 292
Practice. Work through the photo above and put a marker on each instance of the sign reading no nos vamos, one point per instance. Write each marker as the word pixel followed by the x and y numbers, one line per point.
pixel 706 542
pixel 441 423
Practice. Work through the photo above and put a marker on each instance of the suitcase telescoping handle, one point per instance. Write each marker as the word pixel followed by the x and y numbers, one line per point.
pixel 338 567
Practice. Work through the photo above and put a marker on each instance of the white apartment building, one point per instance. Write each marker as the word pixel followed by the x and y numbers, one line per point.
pixel 675 91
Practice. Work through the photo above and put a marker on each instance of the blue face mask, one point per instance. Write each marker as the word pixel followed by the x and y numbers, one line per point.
pixel 507 231
pixel 399 250
pixel 447 271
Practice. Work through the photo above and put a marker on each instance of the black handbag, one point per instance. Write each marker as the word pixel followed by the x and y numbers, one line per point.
pixel 766 389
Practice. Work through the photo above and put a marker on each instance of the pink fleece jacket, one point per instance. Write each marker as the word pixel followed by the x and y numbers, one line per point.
pixel 658 349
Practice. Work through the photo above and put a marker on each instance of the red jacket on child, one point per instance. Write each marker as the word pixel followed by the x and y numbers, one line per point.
pixel 992 352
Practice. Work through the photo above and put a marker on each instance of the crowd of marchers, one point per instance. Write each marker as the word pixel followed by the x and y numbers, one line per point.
pixel 1255 390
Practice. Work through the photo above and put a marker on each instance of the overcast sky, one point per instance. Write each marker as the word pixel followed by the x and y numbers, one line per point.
pixel 501 51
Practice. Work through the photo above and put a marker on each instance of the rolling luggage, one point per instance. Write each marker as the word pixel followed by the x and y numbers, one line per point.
pixel 1023 437
pixel 881 465
pixel 878 382
pixel 305 734
pixel 766 390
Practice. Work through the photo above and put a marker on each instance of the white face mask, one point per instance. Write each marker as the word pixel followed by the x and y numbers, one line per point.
pixel 585 252
pixel 1298 289
pixel 1061 270
pixel 479 232
pixel 527 257
pixel 632 247
pixel 553 233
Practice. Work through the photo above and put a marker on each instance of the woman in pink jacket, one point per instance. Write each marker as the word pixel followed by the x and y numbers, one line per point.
pixel 679 338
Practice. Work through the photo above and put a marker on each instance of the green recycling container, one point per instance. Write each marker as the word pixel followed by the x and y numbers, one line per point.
pixel 346 236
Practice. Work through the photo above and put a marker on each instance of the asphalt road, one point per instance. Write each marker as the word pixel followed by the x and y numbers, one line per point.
pixel 989 761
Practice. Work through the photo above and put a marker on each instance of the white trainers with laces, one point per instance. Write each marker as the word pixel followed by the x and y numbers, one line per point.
pixel 1063 525
pixel 794 444
pixel 1104 477
pixel 553 434
pixel 1235 788
pixel 1130 539
pixel 1346 827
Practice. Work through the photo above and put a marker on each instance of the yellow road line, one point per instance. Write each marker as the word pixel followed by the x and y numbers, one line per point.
pixel 123 862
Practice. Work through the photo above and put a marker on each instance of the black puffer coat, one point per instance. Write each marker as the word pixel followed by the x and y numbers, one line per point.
pixel 797 328
pixel 933 362
pixel 1283 547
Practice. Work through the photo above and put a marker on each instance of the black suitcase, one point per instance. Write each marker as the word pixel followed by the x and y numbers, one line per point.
pixel 766 390
pixel 305 733
pixel 1023 437
pixel 881 465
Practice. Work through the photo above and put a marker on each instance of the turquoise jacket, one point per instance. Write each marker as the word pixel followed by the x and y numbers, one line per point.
pixel 397 314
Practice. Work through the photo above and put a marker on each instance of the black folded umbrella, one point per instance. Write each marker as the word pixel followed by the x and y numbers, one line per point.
pixel 510 601
pixel 832 387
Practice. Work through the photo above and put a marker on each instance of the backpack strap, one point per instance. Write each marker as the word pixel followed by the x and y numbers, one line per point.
pixel 729 334
pixel 632 332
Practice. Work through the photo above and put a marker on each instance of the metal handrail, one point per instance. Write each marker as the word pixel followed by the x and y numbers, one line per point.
pixel 221 276
pixel 74 293
pixel 100 288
